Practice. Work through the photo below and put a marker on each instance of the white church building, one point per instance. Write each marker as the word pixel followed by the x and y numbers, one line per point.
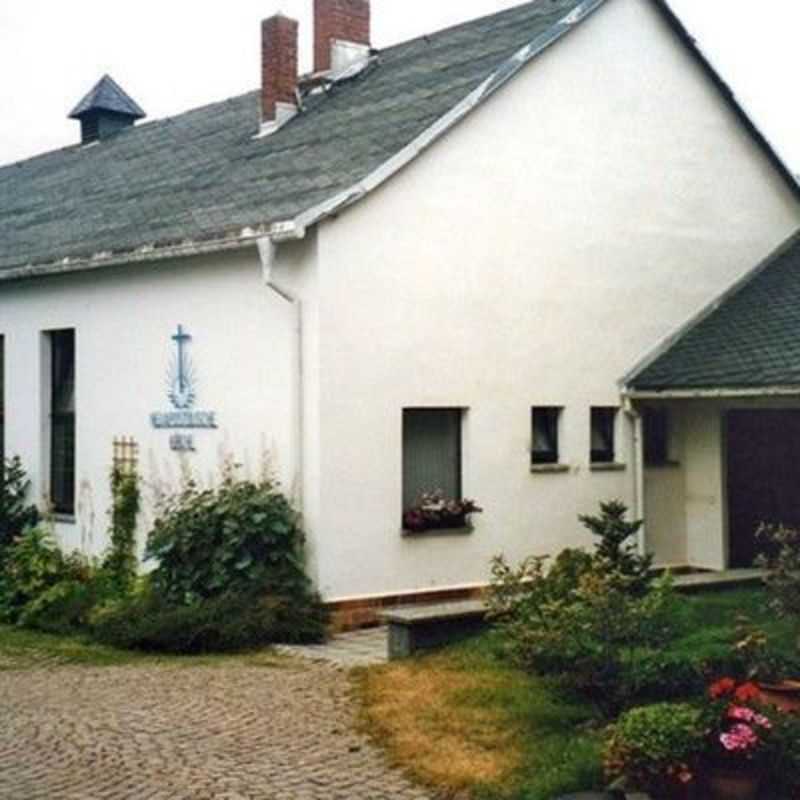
pixel 467 262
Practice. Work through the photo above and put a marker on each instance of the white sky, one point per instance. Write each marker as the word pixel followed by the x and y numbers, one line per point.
pixel 172 56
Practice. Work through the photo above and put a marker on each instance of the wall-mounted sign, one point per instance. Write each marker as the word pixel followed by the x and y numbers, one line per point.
pixel 182 393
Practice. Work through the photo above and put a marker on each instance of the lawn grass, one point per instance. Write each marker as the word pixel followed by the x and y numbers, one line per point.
pixel 22 649
pixel 466 720
pixel 463 720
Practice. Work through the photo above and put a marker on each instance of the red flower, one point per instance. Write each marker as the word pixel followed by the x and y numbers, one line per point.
pixel 747 692
pixel 722 687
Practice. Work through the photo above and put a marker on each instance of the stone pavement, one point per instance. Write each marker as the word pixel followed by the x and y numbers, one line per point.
pixel 164 732
pixel 362 648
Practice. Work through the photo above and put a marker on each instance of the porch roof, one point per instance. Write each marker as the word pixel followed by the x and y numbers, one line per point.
pixel 748 339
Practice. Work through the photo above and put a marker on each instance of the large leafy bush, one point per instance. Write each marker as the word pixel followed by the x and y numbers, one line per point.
pixel 239 537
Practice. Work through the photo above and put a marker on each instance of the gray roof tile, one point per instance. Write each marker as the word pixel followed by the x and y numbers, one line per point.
pixel 203 173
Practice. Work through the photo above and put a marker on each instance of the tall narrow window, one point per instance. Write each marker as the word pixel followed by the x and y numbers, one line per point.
pixel 656 436
pixel 431 453
pixel 603 428
pixel 2 402
pixel 62 421
pixel 544 422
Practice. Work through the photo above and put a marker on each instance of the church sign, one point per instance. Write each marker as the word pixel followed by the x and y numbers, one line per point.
pixel 182 393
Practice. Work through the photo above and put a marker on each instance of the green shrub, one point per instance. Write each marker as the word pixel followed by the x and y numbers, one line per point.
pixel 617 546
pixel 64 608
pixel 579 621
pixel 238 538
pixel 33 565
pixel 648 675
pixel 120 563
pixel 655 747
pixel 226 623
pixel 783 758
pixel 782 562
pixel 15 513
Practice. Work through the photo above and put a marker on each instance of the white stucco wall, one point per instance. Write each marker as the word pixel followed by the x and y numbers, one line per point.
pixel 242 349
pixel 532 258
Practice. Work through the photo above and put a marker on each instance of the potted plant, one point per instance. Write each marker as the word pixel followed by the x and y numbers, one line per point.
pixel 657 749
pixel 768 669
pixel 434 511
pixel 738 741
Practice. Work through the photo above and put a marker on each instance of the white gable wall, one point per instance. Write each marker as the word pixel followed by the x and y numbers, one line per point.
pixel 531 258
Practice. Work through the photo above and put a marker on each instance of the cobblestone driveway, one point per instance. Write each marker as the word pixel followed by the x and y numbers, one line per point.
pixel 187 733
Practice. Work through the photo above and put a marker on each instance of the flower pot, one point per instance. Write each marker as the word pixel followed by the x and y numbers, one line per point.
pixel 784 696
pixel 729 784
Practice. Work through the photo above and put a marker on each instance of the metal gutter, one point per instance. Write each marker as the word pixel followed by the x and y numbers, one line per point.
pixel 267 252
pixel 245 238
pixel 712 394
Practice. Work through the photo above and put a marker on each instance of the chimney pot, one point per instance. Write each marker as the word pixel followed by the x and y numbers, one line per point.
pixel 278 69
pixel 344 22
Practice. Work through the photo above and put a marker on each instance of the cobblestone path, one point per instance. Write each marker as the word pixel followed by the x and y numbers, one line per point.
pixel 187 733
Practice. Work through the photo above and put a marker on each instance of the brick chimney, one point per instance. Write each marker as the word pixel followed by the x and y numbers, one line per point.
pixel 278 70
pixel 341 33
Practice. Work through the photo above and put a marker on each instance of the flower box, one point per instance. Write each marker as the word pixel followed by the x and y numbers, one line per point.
pixel 434 512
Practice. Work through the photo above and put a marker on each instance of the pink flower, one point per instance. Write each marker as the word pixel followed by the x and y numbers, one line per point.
pixel 748 715
pixel 739 739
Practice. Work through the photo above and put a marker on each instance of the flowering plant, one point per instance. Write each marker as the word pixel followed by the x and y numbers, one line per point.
pixel 739 733
pixel 435 511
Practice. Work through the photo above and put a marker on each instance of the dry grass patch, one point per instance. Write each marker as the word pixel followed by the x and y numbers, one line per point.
pixel 427 718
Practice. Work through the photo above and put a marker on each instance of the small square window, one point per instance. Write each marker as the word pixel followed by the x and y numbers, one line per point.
pixel 603 446
pixel 544 423
pixel 656 429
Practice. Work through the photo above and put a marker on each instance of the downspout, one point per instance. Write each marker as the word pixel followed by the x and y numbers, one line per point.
pixel 267 251
pixel 638 469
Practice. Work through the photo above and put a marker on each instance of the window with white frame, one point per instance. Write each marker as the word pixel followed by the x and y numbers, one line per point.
pixel 431 453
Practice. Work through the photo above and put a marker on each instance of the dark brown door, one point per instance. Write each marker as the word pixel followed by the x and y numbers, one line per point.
pixel 763 450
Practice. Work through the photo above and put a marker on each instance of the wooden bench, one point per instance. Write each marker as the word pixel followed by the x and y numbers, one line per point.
pixel 416 628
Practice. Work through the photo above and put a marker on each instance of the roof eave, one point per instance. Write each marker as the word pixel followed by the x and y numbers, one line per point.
pixel 711 393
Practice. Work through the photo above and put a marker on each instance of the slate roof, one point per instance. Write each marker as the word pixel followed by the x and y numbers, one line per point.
pixel 108 95
pixel 203 172
pixel 750 340
pixel 202 176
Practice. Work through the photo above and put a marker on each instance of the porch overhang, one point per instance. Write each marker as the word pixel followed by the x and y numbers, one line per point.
pixel 720 393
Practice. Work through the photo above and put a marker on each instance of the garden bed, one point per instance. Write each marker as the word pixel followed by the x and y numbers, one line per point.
pixel 465 720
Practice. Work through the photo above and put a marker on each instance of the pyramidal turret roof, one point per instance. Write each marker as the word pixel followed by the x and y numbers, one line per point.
pixel 108 95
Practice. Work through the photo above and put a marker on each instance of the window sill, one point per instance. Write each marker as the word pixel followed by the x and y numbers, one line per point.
pixel 65 519
pixel 609 467
pixel 433 532
pixel 550 469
